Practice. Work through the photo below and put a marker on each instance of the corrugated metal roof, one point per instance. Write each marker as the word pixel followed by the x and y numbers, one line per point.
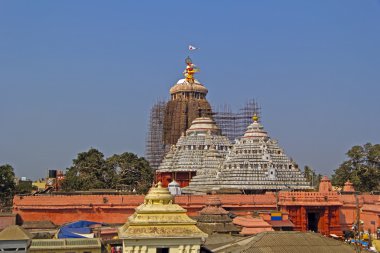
pixel 48 243
pixel 83 242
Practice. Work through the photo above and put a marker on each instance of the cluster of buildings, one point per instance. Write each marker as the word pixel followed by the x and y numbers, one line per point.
pixel 215 191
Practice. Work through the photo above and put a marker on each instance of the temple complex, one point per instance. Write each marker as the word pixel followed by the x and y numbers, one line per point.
pixel 159 225
pixel 255 164
pixel 201 149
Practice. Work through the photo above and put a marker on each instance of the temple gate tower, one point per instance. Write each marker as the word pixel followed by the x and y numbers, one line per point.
pixel 188 102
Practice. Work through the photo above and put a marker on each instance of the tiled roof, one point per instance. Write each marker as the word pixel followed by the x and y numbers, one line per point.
pixel 286 241
pixel 280 223
pixel 43 224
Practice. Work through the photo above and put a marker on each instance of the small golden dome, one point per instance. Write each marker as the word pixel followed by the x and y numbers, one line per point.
pixel 158 195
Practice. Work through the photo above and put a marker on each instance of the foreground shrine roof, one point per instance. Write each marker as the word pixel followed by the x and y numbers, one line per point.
pixel 159 217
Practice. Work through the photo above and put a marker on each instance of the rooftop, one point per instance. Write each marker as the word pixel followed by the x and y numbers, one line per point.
pixel 286 241
pixel 15 233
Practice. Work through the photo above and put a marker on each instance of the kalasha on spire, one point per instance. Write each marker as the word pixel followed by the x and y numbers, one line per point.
pixel 190 70
pixel 255 118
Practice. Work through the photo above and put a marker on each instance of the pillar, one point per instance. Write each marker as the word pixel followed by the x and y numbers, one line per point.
pixel 303 218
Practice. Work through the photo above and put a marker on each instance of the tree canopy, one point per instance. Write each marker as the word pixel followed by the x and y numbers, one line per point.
pixel 132 171
pixel 362 168
pixel 312 177
pixel 7 185
pixel 90 170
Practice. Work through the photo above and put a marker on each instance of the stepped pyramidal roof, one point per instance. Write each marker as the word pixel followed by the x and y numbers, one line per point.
pixel 255 163
pixel 159 217
pixel 202 148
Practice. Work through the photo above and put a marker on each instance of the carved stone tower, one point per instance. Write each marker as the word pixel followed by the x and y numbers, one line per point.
pixel 188 102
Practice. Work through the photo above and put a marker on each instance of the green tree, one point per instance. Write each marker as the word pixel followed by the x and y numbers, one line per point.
pixel 362 168
pixel 7 185
pixel 89 171
pixel 24 187
pixel 312 177
pixel 132 171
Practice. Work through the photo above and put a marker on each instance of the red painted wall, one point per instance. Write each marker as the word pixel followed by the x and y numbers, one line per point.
pixel 340 214
pixel 7 220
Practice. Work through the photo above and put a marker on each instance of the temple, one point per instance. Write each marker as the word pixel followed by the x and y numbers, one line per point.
pixel 159 225
pixel 255 164
pixel 201 149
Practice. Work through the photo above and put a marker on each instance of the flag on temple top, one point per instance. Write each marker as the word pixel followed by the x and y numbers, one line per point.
pixel 191 48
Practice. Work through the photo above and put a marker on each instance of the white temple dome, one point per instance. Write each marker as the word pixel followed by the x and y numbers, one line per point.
pixel 184 86
pixel 255 130
pixel 203 125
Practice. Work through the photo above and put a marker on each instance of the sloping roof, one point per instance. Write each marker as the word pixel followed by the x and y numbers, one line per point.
pixel 251 222
pixel 159 217
pixel 286 241
pixel 42 224
pixel 217 240
pixel 15 233
pixel 280 223
pixel 7 214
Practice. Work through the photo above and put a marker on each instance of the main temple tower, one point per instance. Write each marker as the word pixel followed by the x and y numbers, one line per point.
pixel 187 102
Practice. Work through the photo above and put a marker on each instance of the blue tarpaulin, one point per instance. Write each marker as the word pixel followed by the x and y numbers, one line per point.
pixel 71 230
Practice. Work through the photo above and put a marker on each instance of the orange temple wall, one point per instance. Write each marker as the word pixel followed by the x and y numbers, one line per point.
pixel 336 212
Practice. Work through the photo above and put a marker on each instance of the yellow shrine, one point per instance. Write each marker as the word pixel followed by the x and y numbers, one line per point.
pixel 160 226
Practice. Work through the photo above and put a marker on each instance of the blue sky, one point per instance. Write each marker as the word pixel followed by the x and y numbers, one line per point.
pixel 81 74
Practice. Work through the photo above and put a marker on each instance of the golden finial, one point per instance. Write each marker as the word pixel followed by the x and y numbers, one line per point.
pixel 255 118
pixel 190 70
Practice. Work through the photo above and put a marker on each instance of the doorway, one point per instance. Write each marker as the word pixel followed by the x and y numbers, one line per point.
pixel 312 222
pixel 162 250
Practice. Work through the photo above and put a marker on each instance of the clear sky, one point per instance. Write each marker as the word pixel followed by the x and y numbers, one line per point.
pixel 81 74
